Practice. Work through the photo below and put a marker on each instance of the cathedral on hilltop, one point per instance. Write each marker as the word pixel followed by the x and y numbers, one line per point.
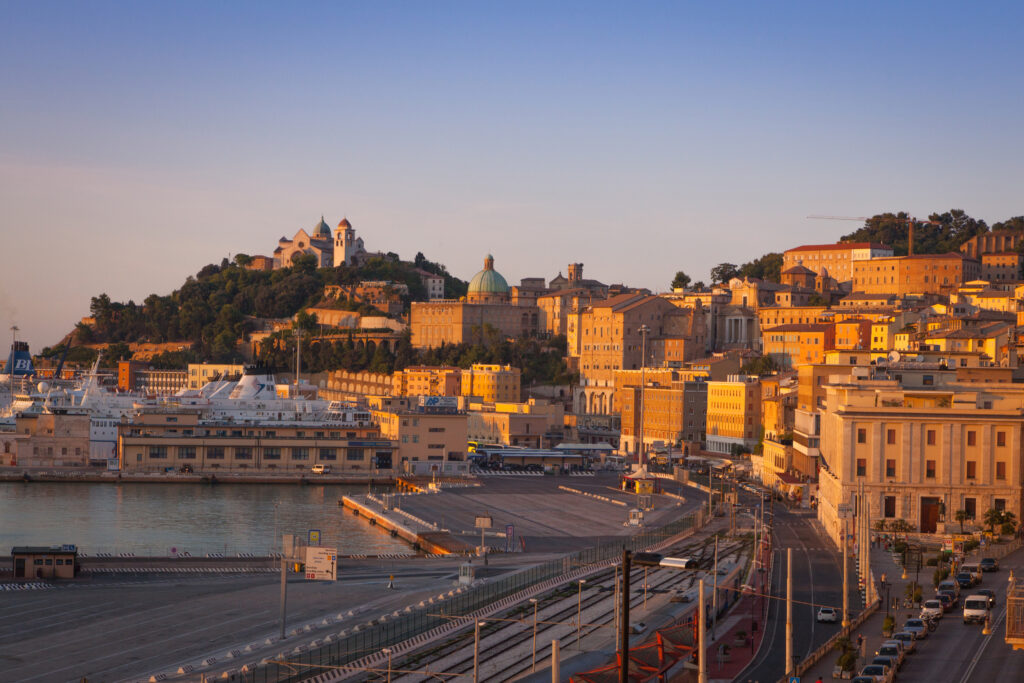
pixel 343 249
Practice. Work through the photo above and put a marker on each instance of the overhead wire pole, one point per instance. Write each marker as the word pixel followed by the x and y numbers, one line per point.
pixel 844 550
pixel 789 611
pixel 702 627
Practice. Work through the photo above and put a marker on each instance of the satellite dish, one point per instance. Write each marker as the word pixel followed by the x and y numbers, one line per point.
pixel 894 356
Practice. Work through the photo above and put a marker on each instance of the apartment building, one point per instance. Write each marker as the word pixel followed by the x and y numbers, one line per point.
pixel 921 451
pixel 201 373
pixel 794 345
pixel 734 414
pixel 918 274
pixel 674 414
pixel 427 380
pixel 422 433
pixel 533 424
pixel 492 383
pixel 837 259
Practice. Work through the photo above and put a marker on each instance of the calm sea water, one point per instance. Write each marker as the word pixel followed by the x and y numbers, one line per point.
pixel 158 519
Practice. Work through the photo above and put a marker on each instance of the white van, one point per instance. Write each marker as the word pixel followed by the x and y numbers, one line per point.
pixel 975 609
pixel 321 469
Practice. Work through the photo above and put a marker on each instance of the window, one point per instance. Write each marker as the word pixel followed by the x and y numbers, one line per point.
pixel 1001 470
pixel 890 468
pixel 972 469
pixel 354 454
pixel 999 504
pixel 1000 439
pixel 929 469
pixel 186 452
pixel 862 436
pixel 890 436
pixel 215 452
pixel 971 507
pixel 271 453
pixel 972 437
pixel 158 452
pixel 328 454
pixel 931 437
pixel 436 429
pixel 862 467
pixel 890 506
pixel 300 453
pixel 243 453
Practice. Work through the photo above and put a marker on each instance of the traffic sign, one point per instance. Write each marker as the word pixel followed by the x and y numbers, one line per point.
pixel 322 564
pixel 314 537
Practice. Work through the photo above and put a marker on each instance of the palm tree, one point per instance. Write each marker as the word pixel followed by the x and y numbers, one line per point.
pixel 962 516
pixel 992 518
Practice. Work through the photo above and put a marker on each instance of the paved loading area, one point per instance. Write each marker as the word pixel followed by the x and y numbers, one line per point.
pixel 115 628
pixel 546 518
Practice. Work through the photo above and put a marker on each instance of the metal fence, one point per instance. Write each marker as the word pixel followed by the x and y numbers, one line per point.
pixel 369 639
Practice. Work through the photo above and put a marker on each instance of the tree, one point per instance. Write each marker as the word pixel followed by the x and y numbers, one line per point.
pixel 243 260
pixel 767 267
pixel 699 286
pixel 723 272
pixel 961 516
pixel 992 518
pixel 1009 524
pixel 305 321
pixel 681 280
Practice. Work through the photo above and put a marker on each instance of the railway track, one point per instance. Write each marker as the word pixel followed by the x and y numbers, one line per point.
pixel 512 631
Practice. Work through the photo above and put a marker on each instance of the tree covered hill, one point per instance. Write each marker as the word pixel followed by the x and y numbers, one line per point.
pixel 213 309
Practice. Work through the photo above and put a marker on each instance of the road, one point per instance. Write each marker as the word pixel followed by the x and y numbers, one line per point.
pixel 961 653
pixel 817 580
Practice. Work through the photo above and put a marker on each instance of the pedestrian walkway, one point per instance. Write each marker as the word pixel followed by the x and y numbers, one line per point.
pixel 724 665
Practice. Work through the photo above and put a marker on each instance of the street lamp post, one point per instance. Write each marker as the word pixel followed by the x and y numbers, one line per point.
pixel 579 613
pixel 648 560
pixel 534 601
pixel 643 364
pixel 476 651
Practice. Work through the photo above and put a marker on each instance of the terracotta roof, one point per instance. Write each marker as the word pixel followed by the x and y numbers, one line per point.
pixel 839 246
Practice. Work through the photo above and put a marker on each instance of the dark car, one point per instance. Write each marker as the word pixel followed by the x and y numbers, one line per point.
pixel 989 593
pixel 946 598
pixel 989 564
pixel 964 580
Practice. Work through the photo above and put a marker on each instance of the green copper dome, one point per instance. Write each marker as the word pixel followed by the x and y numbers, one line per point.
pixel 488 280
pixel 321 231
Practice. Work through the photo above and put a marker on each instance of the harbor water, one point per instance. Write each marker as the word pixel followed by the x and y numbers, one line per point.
pixel 168 519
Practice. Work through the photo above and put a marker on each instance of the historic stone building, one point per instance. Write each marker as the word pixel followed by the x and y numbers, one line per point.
pixel 344 248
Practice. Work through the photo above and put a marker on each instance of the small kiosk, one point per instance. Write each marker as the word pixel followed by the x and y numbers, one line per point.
pixel 56 562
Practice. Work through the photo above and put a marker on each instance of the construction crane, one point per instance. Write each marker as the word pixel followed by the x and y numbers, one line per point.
pixel 911 222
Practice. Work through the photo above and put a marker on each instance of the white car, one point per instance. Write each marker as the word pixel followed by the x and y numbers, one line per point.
pixel 828 614
pixel 931 609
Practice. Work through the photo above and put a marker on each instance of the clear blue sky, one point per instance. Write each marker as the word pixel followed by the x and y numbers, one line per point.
pixel 140 141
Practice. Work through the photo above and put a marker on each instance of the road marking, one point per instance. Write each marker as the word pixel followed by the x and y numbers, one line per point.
pixel 984 644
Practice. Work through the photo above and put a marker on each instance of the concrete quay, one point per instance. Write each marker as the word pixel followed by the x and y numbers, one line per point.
pixel 545 513
pixel 92 475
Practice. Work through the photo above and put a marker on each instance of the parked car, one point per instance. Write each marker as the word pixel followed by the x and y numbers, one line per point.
pixel 989 564
pixel 932 609
pixel 896 642
pixel 828 614
pixel 321 469
pixel 954 598
pixel 880 673
pixel 974 569
pixel 975 609
pixel 917 627
pixel 908 639
pixel 965 580
pixel 185 469
pixel 948 585
pixel 991 594
pixel 893 652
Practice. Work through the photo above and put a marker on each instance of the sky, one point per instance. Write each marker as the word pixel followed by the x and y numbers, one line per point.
pixel 142 141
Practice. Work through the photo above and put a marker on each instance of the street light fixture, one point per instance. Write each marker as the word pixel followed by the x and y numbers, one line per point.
pixel 655 560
